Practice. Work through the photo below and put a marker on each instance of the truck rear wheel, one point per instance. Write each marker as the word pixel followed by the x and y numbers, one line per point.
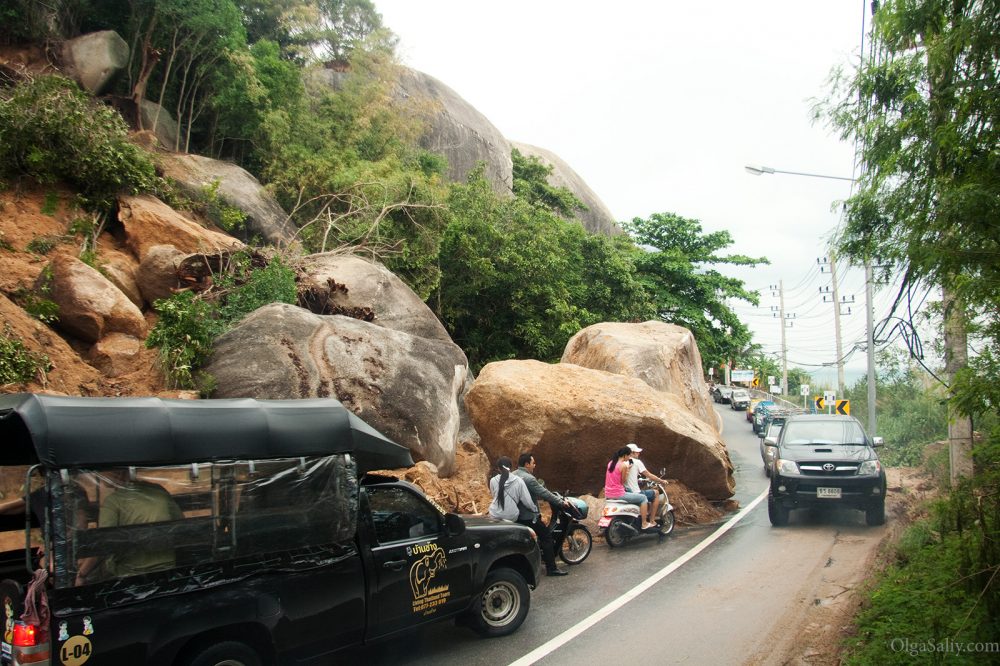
pixel 502 605
pixel 227 653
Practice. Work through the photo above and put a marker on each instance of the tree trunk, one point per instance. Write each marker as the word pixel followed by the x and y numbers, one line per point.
pixel 956 357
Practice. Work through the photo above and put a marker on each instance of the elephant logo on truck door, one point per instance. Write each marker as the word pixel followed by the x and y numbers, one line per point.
pixel 431 560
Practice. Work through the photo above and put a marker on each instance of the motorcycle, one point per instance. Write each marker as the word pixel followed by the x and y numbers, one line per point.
pixel 572 540
pixel 620 520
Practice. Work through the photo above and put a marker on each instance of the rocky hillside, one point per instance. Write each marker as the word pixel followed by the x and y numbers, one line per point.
pixel 80 295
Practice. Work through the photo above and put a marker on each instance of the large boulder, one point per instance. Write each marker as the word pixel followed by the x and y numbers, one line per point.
pixel 575 418
pixel 95 60
pixel 665 356
pixel 455 129
pixel 156 119
pixel 120 268
pixel 404 385
pixel 149 222
pixel 90 306
pixel 237 188
pixel 157 274
pixel 345 284
pixel 117 354
pixel 597 219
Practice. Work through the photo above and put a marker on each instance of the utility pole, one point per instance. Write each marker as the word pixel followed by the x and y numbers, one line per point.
pixel 836 327
pixel 836 322
pixel 870 325
pixel 784 347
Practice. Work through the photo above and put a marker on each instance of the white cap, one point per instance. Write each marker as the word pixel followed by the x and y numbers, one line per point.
pixel 634 447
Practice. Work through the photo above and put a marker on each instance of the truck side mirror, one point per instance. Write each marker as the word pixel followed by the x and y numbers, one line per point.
pixel 454 524
pixel 877 441
pixel 771 441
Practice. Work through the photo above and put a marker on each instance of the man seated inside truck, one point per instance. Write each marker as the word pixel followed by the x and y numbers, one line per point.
pixel 135 502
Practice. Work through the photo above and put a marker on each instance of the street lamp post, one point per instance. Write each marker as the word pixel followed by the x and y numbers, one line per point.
pixel 761 170
pixel 872 420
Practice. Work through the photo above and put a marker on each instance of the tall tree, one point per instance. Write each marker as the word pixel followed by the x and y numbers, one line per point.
pixel 686 291
pixel 347 24
pixel 926 115
pixel 518 281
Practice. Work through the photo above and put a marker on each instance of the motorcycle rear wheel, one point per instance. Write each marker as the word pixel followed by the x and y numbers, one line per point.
pixel 576 546
pixel 616 533
pixel 667 526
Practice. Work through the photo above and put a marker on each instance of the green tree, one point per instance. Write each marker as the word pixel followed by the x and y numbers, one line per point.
pixel 345 25
pixel 675 270
pixel 518 281
pixel 531 184
pixel 51 130
pixel 926 117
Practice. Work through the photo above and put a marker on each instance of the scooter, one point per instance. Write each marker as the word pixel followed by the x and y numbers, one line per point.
pixel 572 541
pixel 620 520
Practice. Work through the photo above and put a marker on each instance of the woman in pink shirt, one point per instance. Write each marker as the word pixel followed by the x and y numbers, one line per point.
pixel 614 484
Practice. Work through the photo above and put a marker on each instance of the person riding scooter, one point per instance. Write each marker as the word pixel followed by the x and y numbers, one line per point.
pixel 614 485
pixel 637 469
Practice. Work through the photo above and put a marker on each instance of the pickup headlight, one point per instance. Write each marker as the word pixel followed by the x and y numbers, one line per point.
pixel 786 466
pixel 869 468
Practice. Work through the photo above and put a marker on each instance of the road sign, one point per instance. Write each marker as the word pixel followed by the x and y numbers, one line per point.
pixel 843 407
pixel 829 396
pixel 804 389
pixel 711 371
pixel 741 375
pixel 820 403
pixel 776 389
pixel 770 380
pixel 756 382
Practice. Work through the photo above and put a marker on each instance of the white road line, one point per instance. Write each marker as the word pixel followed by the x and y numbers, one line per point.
pixel 577 629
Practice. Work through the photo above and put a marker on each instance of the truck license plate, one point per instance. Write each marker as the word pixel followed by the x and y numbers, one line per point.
pixel 830 493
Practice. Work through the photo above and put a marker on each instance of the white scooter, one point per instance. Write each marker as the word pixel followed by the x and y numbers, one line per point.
pixel 620 520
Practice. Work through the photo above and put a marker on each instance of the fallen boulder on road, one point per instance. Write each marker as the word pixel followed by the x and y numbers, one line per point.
pixel 665 356
pixel 573 419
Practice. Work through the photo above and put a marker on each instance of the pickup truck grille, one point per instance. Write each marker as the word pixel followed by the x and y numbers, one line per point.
pixel 828 469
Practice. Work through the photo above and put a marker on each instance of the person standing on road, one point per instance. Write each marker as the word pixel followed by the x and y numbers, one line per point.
pixel 509 492
pixel 533 519
pixel 637 469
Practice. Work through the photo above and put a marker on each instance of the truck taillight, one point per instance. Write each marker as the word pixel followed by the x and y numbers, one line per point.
pixel 30 645
pixel 25 635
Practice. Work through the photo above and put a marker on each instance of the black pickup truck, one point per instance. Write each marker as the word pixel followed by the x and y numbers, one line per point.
pixel 231 531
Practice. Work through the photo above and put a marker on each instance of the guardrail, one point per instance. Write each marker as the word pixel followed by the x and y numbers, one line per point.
pixel 764 395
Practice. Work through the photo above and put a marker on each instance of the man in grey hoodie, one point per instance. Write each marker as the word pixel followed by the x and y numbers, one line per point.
pixel 533 519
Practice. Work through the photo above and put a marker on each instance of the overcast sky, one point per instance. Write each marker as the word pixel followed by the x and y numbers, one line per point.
pixel 659 105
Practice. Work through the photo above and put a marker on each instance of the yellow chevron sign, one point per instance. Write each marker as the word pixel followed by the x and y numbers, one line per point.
pixel 843 407
pixel 820 403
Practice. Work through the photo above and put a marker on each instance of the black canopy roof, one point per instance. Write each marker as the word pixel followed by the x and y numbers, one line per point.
pixel 104 432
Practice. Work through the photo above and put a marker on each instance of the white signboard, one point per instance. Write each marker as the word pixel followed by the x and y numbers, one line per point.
pixel 711 372
pixel 741 376
pixel 804 389
pixel 770 381
pixel 830 397
pixel 775 389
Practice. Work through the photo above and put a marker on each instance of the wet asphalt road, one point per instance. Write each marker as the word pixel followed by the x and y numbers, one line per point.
pixel 724 606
